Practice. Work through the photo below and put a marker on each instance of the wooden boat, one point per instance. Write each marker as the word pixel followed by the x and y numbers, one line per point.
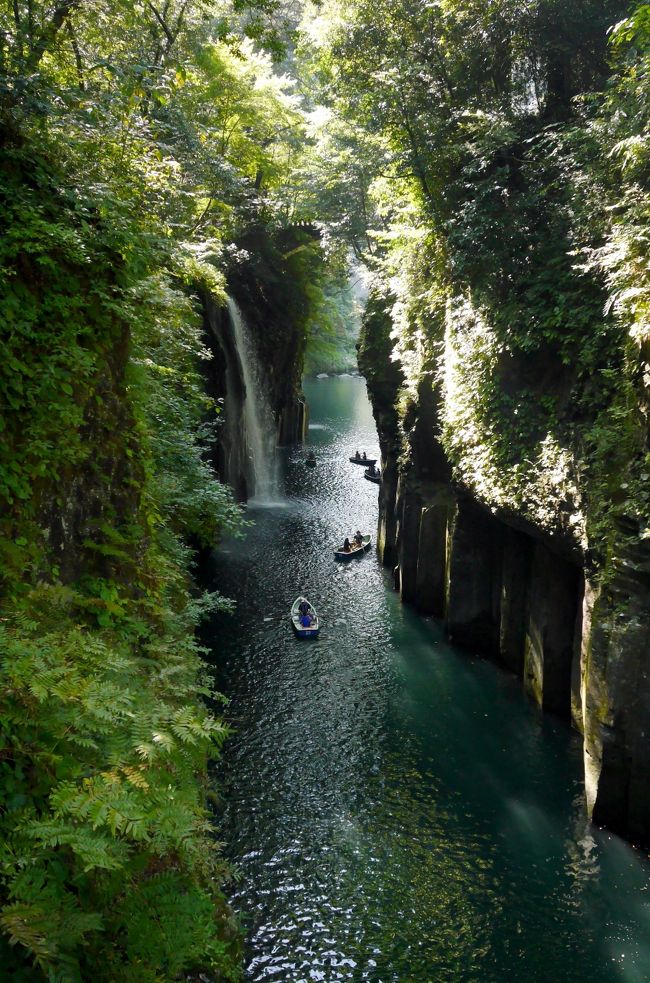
pixel 310 462
pixel 373 477
pixel 366 461
pixel 299 629
pixel 340 553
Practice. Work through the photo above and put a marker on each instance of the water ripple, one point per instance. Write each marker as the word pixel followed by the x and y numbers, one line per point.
pixel 397 811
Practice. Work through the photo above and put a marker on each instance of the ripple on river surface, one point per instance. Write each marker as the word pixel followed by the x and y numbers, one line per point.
pixel 396 809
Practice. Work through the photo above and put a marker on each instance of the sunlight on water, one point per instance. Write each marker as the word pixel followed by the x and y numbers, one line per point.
pixel 397 811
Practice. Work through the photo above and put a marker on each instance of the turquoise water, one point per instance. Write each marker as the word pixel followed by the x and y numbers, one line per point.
pixel 397 810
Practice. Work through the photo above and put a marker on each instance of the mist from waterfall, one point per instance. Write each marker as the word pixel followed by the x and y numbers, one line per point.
pixel 258 417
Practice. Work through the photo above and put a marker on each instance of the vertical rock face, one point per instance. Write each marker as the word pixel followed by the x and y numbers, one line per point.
pixel 384 379
pixel 224 382
pixel 409 508
pixel 473 605
pixel 271 295
pixel 554 609
pixel 615 678
pixel 108 483
pixel 431 579
pixel 515 578
pixel 278 341
pixel 520 592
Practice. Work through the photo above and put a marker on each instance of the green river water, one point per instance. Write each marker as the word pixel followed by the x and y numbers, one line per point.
pixel 396 809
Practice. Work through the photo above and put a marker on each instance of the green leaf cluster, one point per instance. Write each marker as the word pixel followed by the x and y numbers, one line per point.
pixel 108 866
pixel 505 212
pixel 137 146
pixel 103 762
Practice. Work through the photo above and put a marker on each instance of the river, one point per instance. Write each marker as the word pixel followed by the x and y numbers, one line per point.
pixel 397 810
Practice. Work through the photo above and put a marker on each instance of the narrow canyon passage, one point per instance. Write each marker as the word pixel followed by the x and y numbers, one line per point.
pixel 397 809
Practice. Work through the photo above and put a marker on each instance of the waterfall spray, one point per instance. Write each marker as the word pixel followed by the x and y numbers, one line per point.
pixel 259 422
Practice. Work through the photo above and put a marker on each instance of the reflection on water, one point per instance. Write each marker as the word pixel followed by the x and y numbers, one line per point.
pixel 396 809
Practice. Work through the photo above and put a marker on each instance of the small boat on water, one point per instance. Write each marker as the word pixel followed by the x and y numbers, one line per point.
pixel 311 461
pixel 301 630
pixel 366 461
pixel 355 550
pixel 370 476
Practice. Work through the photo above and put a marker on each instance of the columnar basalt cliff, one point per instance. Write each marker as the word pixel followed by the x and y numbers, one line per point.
pixel 523 574
pixel 262 285
pixel 224 382
pixel 269 286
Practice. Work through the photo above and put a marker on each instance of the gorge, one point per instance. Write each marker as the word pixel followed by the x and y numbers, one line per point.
pixel 396 808
pixel 197 198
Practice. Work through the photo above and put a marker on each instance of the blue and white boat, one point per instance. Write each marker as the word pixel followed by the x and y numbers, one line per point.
pixel 301 630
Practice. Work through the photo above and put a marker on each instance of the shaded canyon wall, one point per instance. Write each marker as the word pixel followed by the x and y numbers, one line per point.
pixel 261 289
pixel 527 594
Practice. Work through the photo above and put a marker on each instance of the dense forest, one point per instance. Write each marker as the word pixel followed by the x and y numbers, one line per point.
pixel 486 165
pixel 506 347
pixel 140 143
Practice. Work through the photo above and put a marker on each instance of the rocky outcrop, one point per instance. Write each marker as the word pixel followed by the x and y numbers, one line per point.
pixel 271 295
pixel 224 383
pixel 576 630
pixel 262 288
pixel 384 379
pixel 554 617
pixel 615 690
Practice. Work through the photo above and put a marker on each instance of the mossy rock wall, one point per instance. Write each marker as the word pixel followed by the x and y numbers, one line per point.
pixel 535 567
pixel 275 307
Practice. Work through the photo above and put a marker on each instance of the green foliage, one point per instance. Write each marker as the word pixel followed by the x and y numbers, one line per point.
pixel 334 329
pixel 506 213
pixel 620 127
pixel 146 150
pixel 485 161
pixel 104 736
pixel 102 819
pixel 124 169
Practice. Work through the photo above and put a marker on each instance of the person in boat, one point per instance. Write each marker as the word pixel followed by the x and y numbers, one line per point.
pixel 346 546
pixel 364 456
pixel 311 456
pixel 306 620
pixel 304 608
pixel 357 455
pixel 372 469
pixel 358 538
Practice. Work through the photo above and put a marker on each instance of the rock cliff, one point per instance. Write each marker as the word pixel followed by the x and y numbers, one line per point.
pixel 262 284
pixel 520 565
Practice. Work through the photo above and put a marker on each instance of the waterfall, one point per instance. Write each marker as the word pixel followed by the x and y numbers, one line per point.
pixel 258 418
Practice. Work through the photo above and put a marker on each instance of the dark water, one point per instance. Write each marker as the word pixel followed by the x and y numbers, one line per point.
pixel 397 810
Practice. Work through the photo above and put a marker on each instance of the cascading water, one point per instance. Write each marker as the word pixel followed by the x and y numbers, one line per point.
pixel 259 424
